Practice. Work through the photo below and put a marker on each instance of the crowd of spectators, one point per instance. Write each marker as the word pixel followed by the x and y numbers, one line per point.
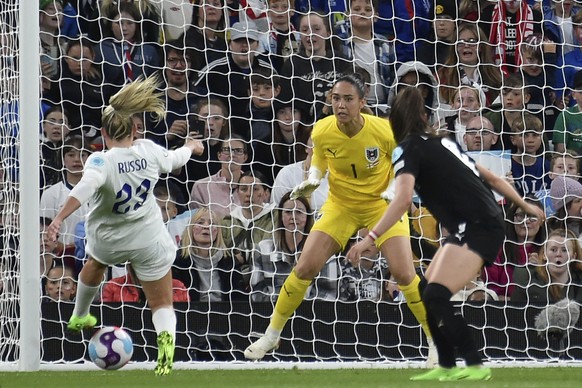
pixel 502 78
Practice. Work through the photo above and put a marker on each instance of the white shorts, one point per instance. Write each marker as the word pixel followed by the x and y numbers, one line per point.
pixel 150 263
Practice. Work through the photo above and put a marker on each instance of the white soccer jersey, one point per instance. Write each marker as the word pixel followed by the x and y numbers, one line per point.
pixel 119 185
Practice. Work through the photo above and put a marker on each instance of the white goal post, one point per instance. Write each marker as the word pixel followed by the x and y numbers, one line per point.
pixel 20 298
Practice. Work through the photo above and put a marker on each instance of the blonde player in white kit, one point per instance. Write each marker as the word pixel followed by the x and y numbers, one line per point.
pixel 124 222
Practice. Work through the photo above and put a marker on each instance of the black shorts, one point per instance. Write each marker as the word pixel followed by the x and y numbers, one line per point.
pixel 484 237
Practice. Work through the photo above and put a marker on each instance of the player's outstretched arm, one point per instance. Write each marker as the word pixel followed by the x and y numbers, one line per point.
pixel 71 205
pixel 174 160
pixel 195 145
pixel 504 188
pixel 309 185
pixel 92 179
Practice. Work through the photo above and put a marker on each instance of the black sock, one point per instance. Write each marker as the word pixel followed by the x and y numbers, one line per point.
pixel 422 284
pixel 445 350
pixel 452 326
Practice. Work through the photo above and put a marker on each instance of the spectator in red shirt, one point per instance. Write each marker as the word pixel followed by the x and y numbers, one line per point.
pixel 127 289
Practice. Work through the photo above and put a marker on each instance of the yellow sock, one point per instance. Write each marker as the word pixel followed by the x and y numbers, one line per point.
pixel 289 299
pixel 414 302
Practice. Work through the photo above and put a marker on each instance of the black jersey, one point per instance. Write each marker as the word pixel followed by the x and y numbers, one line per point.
pixel 447 180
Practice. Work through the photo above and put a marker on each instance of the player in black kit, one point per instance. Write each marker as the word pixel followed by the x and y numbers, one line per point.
pixel 458 193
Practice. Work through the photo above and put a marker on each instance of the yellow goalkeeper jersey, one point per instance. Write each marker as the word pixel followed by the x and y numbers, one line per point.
pixel 360 167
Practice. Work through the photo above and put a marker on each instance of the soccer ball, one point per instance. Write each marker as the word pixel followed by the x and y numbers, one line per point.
pixel 110 348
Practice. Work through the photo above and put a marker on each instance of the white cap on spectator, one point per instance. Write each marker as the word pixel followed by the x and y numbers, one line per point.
pixel 247 29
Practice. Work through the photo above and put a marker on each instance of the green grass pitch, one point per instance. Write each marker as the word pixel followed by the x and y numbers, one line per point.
pixel 565 377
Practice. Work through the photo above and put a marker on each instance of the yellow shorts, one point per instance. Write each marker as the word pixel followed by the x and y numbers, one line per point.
pixel 341 223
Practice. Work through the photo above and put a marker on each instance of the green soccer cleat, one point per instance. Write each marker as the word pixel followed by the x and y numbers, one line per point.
pixel 165 354
pixel 78 323
pixel 470 373
pixel 436 374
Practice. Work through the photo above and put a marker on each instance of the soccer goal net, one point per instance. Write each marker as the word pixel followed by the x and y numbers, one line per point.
pixel 249 78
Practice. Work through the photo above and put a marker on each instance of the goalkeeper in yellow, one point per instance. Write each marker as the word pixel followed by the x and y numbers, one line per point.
pixel 356 149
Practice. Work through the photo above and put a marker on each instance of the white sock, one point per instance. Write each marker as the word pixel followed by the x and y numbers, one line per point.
pixel 164 319
pixel 272 333
pixel 83 299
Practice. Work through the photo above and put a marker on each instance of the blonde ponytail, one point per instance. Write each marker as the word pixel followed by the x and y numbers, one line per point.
pixel 137 97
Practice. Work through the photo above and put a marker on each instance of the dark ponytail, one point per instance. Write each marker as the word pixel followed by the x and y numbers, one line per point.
pixel 408 114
